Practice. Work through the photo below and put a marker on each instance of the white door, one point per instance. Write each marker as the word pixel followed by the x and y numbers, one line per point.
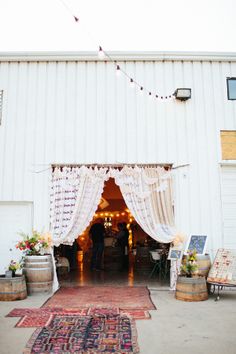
pixel 228 196
pixel 15 217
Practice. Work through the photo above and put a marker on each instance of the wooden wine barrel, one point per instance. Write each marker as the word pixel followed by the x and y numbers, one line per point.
pixel 12 289
pixel 191 289
pixel 38 271
pixel 204 264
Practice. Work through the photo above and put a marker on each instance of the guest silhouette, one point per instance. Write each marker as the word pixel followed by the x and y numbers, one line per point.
pixel 97 232
pixel 123 242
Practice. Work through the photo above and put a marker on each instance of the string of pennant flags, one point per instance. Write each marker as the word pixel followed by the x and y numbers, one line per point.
pixel 104 55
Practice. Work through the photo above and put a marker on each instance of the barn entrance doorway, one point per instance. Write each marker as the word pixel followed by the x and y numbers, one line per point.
pixel 113 210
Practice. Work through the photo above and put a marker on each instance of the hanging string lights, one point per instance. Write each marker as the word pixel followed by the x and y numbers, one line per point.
pixel 132 81
pixel 103 55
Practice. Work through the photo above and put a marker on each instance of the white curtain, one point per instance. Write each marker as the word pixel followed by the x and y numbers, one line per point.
pixel 148 195
pixel 75 195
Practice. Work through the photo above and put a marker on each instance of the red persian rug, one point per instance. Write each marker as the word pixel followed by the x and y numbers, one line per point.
pixel 103 311
pixel 102 296
pixel 20 312
pixel 32 317
pixel 85 334
pixel 136 314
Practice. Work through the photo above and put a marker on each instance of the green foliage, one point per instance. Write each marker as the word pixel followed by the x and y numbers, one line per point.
pixel 189 265
pixel 14 266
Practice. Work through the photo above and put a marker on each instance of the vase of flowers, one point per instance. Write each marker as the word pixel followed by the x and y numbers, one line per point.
pixel 35 244
pixel 14 266
pixel 189 267
pixel 37 268
pixel 190 286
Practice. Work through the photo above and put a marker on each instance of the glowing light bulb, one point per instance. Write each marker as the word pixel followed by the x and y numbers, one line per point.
pixel 117 70
pixel 101 53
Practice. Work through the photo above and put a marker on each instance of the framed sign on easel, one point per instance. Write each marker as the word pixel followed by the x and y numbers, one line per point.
pixel 198 243
pixel 175 254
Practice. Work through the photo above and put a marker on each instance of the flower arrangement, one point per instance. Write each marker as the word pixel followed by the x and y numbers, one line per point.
pixel 35 244
pixel 189 265
pixel 14 266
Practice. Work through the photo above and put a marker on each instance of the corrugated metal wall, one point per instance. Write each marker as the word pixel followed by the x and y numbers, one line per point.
pixel 80 112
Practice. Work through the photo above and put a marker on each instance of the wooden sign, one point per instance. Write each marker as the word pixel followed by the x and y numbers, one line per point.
pixel 223 270
pixel 228 144
pixel 198 243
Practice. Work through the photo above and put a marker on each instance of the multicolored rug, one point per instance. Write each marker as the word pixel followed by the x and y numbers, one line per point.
pixel 138 314
pixel 19 312
pixel 32 317
pixel 102 296
pixel 85 334
pixel 41 317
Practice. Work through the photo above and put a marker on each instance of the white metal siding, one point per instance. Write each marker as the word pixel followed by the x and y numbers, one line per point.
pixel 80 112
pixel 229 206
pixel 14 218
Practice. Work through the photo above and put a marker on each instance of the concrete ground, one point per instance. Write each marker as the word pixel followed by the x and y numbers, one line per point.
pixel 176 327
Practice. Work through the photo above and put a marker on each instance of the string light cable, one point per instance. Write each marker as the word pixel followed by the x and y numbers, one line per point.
pixel 102 55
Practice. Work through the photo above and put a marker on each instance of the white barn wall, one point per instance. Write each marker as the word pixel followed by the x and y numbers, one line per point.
pixel 79 112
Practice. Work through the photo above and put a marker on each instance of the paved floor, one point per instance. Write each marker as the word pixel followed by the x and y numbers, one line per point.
pixel 176 327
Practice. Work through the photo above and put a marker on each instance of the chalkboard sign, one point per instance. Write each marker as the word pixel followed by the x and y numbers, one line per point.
pixel 223 270
pixel 198 243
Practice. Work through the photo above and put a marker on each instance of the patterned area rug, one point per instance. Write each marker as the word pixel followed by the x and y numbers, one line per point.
pixel 102 296
pixel 136 314
pixel 41 317
pixel 85 334
pixel 19 312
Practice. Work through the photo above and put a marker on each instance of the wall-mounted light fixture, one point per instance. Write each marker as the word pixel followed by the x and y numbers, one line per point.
pixel 182 94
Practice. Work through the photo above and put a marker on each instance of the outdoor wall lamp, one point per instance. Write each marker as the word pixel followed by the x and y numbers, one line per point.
pixel 182 94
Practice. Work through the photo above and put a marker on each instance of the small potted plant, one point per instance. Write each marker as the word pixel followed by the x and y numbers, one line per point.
pixel 13 267
pixel 12 285
pixel 190 286
pixel 189 267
